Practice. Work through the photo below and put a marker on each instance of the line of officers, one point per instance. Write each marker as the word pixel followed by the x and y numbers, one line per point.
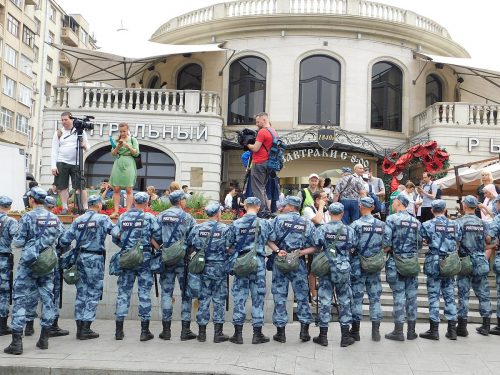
pixel 289 236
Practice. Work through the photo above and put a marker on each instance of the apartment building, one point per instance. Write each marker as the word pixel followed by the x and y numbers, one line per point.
pixel 30 67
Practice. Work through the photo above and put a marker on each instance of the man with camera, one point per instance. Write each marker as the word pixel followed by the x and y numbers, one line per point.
pixel 260 155
pixel 65 163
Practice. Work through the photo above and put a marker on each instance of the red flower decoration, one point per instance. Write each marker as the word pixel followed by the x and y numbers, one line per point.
pixel 441 155
pixel 414 149
pixel 430 146
pixel 434 167
pixel 394 155
pixel 403 161
pixel 388 167
pixel 394 184
pixel 427 159
pixel 421 152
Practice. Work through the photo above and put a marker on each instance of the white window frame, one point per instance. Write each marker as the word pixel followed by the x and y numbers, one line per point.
pixel 26 65
pixel 22 124
pixel 49 65
pixel 6 117
pixel 13 25
pixel 10 55
pixel 17 3
pixel 9 86
pixel 24 95
pixel 52 13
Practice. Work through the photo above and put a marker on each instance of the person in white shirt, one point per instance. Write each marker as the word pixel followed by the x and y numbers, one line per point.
pixel 64 162
pixel 228 201
pixel 316 212
pixel 409 192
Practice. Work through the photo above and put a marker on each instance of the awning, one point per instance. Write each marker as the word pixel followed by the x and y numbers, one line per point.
pixel 118 64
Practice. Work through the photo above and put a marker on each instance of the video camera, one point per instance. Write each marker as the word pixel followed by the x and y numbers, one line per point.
pixel 246 137
pixel 81 124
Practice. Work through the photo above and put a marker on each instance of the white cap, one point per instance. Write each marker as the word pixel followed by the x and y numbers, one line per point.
pixel 312 175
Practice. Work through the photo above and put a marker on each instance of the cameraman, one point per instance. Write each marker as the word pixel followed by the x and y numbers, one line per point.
pixel 260 154
pixel 64 161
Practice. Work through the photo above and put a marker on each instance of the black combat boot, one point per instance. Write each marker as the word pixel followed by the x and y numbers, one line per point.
pixel 304 332
pixel 43 341
pixel 237 338
pixel 166 333
pixel 258 336
pixel 119 335
pixel 280 335
pixel 56 331
pixel 16 346
pixel 322 338
pixel 354 332
pixel 346 339
pixel 496 330
pixel 432 333
pixel 376 331
pixel 29 330
pixel 485 328
pixel 4 328
pixel 219 336
pixel 410 333
pixel 462 327
pixel 186 333
pixel 397 334
pixel 451 333
pixel 78 329
pixel 202 333
pixel 87 333
pixel 146 334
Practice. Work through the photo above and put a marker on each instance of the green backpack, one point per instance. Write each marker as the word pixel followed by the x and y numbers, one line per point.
pixel 247 263
pixel 408 267
pixel 45 263
pixel 320 265
pixel 450 266
pixel 135 256
pixel 171 254
pixel 197 262
pixel 465 266
pixel 376 262
pixel 288 263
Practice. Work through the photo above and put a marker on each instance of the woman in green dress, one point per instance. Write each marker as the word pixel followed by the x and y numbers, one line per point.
pixel 124 172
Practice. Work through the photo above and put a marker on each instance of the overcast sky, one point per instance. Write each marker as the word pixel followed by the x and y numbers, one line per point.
pixel 472 24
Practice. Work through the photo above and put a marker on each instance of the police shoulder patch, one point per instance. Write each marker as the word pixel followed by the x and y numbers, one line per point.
pixel 295 226
pixel 130 224
pixel 44 222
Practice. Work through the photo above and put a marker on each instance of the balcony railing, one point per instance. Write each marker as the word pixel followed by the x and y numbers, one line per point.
pixel 457 113
pixel 69 37
pixel 138 100
pixel 360 8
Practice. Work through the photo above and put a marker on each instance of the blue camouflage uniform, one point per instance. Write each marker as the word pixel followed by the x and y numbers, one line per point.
pixel 494 233
pixel 144 227
pixel 27 287
pixel 8 229
pixel 90 263
pixel 344 238
pixel 442 235
pixel 242 237
pixel 211 236
pixel 167 221
pixel 300 236
pixel 368 232
pixel 402 235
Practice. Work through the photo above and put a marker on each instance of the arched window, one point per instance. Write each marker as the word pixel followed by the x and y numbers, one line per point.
pixel 189 77
pixel 387 93
pixel 247 90
pixel 433 90
pixel 154 81
pixel 158 168
pixel 319 92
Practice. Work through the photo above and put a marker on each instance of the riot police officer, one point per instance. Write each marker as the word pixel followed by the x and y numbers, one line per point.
pixel 211 236
pixel 243 239
pixel 368 233
pixel 38 230
pixel 474 232
pixel 492 240
pixel 402 238
pixel 294 239
pixel 337 239
pixel 133 226
pixel 8 229
pixel 90 231
pixel 175 225
pixel 442 235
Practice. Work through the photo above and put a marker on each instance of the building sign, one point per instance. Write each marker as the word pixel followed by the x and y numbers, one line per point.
pixel 316 153
pixel 326 138
pixel 475 142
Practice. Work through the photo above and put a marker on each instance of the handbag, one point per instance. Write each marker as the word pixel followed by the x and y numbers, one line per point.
pixel 135 256
pixel 197 262
pixel 320 265
pixel 172 254
pixel 47 258
pixel 465 266
pixel 376 262
pixel 450 265
pixel 247 263
pixel 229 266
pixel 288 263
pixel 70 275
pixel 272 256
pixel 407 266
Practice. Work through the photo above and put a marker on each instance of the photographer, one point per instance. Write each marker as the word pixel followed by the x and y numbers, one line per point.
pixel 64 161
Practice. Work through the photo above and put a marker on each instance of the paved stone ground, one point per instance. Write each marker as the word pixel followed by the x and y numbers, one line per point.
pixel 473 355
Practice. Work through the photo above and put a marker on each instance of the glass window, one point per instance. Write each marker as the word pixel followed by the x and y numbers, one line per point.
pixel 22 124
pixel 62 71
pixel 387 90
pixel 9 86
pixel 49 64
pixel 24 95
pixel 12 25
pixel 51 38
pixel 10 55
pixel 19 3
pixel 6 117
pixel 433 90
pixel 36 51
pixel 189 77
pixel 83 36
pixel 319 92
pixel 26 66
pixel 28 36
pixel 52 13
pixel 247 90
pixel 47 90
